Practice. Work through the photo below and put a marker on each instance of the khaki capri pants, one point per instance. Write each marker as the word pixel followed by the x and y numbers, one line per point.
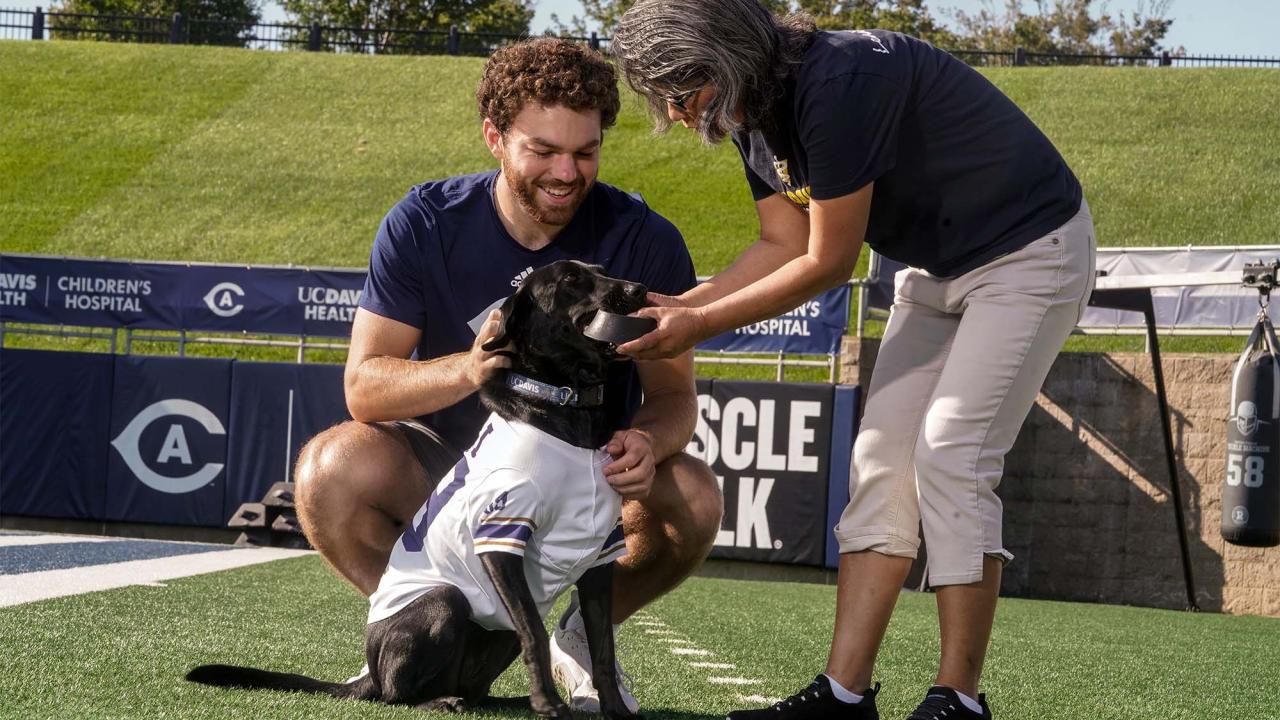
pixel 960 365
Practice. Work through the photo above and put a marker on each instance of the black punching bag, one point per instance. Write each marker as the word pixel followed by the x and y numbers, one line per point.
pixel 1251 492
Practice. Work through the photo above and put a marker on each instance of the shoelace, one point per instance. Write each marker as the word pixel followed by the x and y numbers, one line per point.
pixel 577 640
pixel 934 707
pixel 813 692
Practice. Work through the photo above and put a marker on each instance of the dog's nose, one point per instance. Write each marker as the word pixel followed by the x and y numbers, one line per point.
pixel 635 291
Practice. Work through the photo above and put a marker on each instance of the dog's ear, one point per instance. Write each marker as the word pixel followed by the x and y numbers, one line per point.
pixel 512 309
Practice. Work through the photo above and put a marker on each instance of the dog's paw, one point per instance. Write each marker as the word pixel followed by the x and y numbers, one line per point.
pixel 445 704
pixel 554 708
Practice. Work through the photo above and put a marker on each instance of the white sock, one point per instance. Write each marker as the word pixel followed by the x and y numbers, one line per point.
pixel 969 702
pixel 841 693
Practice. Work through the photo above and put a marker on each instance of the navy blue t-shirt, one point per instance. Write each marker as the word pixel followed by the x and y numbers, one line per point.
pixel 442 258
pixel 961 174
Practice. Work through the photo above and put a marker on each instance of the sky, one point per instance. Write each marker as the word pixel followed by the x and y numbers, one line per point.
pixel 1203 27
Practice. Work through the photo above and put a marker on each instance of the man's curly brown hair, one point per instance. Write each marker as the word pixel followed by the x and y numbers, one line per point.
pixel 549 72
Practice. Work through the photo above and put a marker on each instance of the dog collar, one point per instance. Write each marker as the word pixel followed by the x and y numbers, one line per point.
pixel 527 386
pixel 618 329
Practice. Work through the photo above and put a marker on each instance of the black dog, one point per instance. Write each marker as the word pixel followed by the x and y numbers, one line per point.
pixel 430 654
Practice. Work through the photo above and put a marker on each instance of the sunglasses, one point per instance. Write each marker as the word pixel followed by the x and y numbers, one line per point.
pixel 678 100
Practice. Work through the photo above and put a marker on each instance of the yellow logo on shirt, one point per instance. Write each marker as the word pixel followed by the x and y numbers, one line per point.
pixel 799 196
pixel 780 167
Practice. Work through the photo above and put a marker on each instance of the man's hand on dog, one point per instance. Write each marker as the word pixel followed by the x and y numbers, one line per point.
pixel 631 472
pixel 481 363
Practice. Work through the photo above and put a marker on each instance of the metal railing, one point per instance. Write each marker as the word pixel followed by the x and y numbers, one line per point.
pixel 1023 58
pixel 176 29
pixel 39 24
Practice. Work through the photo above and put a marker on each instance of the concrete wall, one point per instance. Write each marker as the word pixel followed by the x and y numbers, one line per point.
pixel 1087 503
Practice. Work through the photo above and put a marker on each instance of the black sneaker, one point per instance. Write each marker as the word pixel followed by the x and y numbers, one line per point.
pixel 942 703
pixel 815 702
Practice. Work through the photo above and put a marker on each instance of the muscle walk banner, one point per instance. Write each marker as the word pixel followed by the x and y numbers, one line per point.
pixel 770 446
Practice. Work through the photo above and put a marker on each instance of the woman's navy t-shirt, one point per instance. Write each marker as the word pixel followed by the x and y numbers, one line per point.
pixel 442 258
pixel 961 175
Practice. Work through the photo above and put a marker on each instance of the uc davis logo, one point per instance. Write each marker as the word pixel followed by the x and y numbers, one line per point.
pixel 175 446
pixel 498 503
pixel 221 301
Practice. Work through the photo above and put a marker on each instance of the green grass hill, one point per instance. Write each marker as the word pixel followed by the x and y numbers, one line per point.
pixel 210 154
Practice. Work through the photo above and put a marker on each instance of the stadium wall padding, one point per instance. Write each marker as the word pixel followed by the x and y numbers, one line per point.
pixel 174 441
pixel 185 441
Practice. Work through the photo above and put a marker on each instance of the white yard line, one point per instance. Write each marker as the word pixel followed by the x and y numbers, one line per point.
pixel 732 681
pixel 689 651
pixel 20 540
pixel 30 587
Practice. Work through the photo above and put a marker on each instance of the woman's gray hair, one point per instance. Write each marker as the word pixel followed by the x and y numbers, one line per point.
pixel 670 46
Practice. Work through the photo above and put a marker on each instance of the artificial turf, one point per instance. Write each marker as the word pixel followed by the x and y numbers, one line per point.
pixel 122 653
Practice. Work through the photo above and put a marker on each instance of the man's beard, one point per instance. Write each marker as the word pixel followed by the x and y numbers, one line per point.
pixel 526 193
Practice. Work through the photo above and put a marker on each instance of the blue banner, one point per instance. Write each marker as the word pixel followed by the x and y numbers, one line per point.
pixel 769 445
pixel 880 281
pixel 173 296
pixel 186 441
pixel 814 328
pixel 275 409
pixel 293 301
pixel 55 411
pixel 168 441
pixel 846 418
pixel 87 293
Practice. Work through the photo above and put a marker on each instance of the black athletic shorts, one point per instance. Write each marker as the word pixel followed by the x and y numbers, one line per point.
pixel 436 456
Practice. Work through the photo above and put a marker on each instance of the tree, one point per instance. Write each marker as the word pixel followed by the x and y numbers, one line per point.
pixel 911 17
pixel 1066 27
pixel 1142 32
pixel 206 22
pixel 908 16
pixel 602 14
pixel 365 23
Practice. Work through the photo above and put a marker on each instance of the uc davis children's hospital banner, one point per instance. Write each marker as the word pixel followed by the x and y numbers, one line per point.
pixel 185 441
pixel 173 296
pixel 292 301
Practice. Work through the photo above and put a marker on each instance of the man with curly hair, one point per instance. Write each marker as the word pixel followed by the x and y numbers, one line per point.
pixel 443 259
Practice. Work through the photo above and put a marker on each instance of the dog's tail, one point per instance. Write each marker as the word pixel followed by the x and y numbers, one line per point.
pixel 254 679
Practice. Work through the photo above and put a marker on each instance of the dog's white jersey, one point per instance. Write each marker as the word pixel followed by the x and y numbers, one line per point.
pixel 517 490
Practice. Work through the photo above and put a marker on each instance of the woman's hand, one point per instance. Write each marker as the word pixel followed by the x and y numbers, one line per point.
pixel 679 329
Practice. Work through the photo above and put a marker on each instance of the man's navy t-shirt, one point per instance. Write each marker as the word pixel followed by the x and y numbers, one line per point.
pixel 442 258
pixel 961 175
